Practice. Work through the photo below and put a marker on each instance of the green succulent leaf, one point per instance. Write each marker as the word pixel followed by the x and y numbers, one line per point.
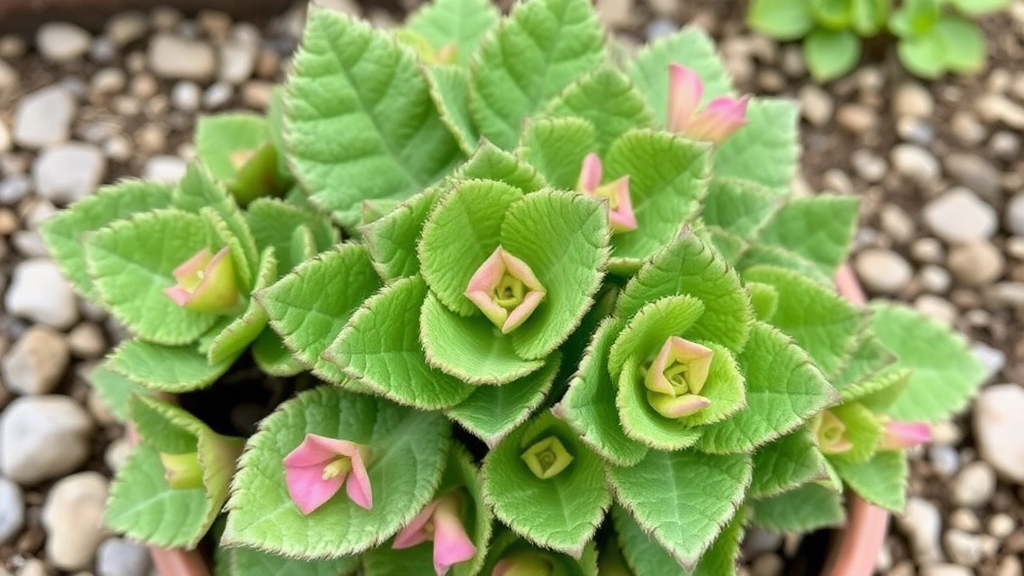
pixel 832 14
pixel 557 147
pixel 831 53
pixel 507 545
pixel 380 347
pixel 780 19
pixel 528 61
pixel 924 55
pixel 392 238
pixel 869 16
pixel 881 480
pixel 561 512
pixel 242 331
pixel 765 150
pixel 273 223
pixel 115 389
pixel 219 137
pixel 683 499
pixel 361 124
pixel 455 23
pixel 963 44
pixel 863 430
pixel 818 228
pixel 739 206
pixel 945 373
pixel 173 369
pixel 980 7
pixel 66 231
pixel 691 46
pixel 409 449
pixel 272 357
pixel 647 558
pixel 492 163
pixel 449 87
pixel 249 562
pixel 809 507
pixel 756 256
pixel 609 101
pixel 307 321
pixel 647 330
pixel 785 464
pixel 765 300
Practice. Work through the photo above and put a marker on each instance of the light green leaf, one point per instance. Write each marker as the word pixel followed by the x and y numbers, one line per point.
pixel 380 348
pixel 409 450
pixel 449 87
pixel 454 23
pixel 361 124
pixel 237 335
pixel 491 412
pixel 869 16
pixel 307 321
pixel 819 320
pixel 561 512
pixel 589 404
pixel 66 231
pixel 831 53
pixel 980 7
pixel 923 56
pixel 609 101
pixel 131 263
pixel 248 562
pixel 647 558
pixel 535 53
pixel 807 508
pixel 867 358
pixel 945 373
pixel 570 275
pixel 738 206
pixel 273 358
pixel 832 14
pixel 786 463
pixel 683 499
pixel 780 19
pixel 174 369
pixel 690 266
pixel 392 238
pixel 783 389
pixel 963 44
pixel 115 390
pixel 819 228
pixel 273 223
pixel 690 46
pixel 764 151
pixel 460 234
pixel 764 298
pixel 492 163
pixel 220 136
pixel 756 256
pixel 881 480
pixel 507 545
pixel 556 147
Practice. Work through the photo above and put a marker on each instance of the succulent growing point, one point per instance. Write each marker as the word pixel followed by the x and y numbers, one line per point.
pixel 830 432
pixel 316 469
pixel 718 120
pixel 676 376
pixel 206 283
pixel 547 457
pixel 439 522
pixel 182 471
pixel 620 206
pixel 505 289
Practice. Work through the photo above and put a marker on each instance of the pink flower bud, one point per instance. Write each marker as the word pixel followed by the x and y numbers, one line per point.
pixel 206 283
pixel 685 90
pixel 316 469
pixel 620 206
pixel 902 435
pixel 439 522
pixel 676 376
pixel 717 121
pixel 505 289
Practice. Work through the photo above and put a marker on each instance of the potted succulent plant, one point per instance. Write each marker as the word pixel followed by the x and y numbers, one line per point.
pixel 573 322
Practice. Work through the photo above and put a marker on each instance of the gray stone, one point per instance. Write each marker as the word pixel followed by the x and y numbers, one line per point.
pixel 993 359
pixel 36 362
pixel 237 61
pixel 896 223
pixel 1001 525
pixel 43 437
pixel 976 263
pixel 126 27
pixel 869 166
pixel 935 279
pixel 998 428
pixel 882 271
pixel 975 173
pixel 108 81
pixel 915 163
pixel 14 188
pixel 816 105
pixel 66 173
pixel 998 108
pixel 87 341
pixel 974 486
pixel 44 117
pixel 1004 145
pixel 39 292
pixel 177 58
pixel 5 137
pixel 914 100
pixel 660 28
pixel 34 567
pixel 117 453
pixel 62 42
pixel 959 216
pixel 186 95
pixel 218 95
pixel 73 519
pixel 857 118
pixel 963 548
pixel 967 128
pixel 946 570
pixel 945 459
pixel 12 510
pixel 119 557
pixel 922 524
pixel 169 169
pixel 1015 215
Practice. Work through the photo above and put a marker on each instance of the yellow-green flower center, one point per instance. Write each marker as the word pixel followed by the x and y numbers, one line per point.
pixel 340 466
pixel 509 292
pixel 547 458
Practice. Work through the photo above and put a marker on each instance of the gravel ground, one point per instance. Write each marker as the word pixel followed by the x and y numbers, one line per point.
pixel 939 167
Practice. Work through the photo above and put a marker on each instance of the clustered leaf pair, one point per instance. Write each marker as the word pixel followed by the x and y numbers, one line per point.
pixel 933 36
pixel 578 323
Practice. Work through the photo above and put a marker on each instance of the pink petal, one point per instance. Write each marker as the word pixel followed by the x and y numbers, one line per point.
pixel 900 435
pixel 192 266
pixel 678 406
pixel 316 450
pixel 655 380
pixel 178 294
pixel 414 532
pixel 685 90
pixel 451 544
pixel 358 485
pixel 622 218
pixel 719 120
pixel 307 487
pixel 521 270
pixel 491 309
pixel 590 174
pixel 699 358
pixel 520 313
pixel 488 274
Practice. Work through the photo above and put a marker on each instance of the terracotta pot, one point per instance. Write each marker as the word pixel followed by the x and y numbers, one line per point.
pixel 853 554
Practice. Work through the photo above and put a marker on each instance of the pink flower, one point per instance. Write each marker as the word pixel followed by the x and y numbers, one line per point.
pixel 901 435
pixel 439 522
pixel 206 283
pixel 676 376
pixel 717 121
pixel 831 433
pixel 505 289
pixel 620 207
pixel 316 469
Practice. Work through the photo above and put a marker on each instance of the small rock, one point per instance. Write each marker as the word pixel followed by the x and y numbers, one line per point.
pixel 936 308
pixel 915 163
pixel 8 78
pixel 959 216
pixel 73 519
pixel 922 524
pixel 66 173
pixel 12 510
pixel 62 42
pixel 169 169
pixel 816 105
pixel 945 459
pixel 237 61
pixel 36 362
pixel 179 58
pixel 257 94
pixel 767 565
pixel 882 271
pixel 963 548
pixel 1010 566
pixel 974 485
pixel 186 96
pixel 39 292
pixel 896 223
pixel 5 138
pixel 165 18
pixel 976 263
pixel 108 81
pixel 915 131
pixel 217 95
pixel 44 117
pixel 975 173
pixel 927 251
pixel 87 341
pixel 43 437
pixel 758 541
pixel 214 23
pixel 34 567
pixel 998 428
pixel 869 166
pixel 117 453
pixel 14 188
pixel 998 108
pixel 934 279
pixel 967 129
pixel 126 27
pixel 994 360
pixel 914 100
pixel 857 118
pixel 946 570
pixel 1004 145
pixel 1015 215
pixel 119 557
pixel 1001 525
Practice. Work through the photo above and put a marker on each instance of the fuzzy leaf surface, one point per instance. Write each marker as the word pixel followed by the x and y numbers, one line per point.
pixel 249 562
pixel 218 137
pixel 819 228
pixel 173 369
pixel 455 23
pixel 609 101
pixel 739 206
pixel 765 150
pixel 809 507
pixel 647 558
pixel 881 480
pixel 449 87
pixel 273 223
pixel 786 463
